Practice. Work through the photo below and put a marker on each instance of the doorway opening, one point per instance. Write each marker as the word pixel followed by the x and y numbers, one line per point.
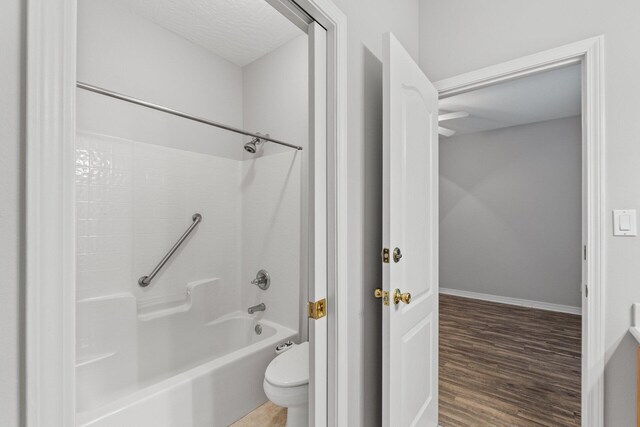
pixel 511 252
pixel 411 246
pixel 53 361
pixel 576 329
pixel 200 124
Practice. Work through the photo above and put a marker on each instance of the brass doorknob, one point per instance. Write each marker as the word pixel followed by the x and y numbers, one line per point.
pixel 399 296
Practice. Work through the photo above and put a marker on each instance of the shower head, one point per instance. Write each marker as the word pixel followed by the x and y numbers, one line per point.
pixel 252 146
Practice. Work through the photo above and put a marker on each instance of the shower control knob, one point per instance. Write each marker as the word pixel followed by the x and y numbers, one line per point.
pixel 262 280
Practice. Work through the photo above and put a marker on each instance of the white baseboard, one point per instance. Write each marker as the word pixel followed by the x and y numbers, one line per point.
pixel 513 301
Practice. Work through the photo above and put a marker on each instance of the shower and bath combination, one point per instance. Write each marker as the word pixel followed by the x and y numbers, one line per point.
pixel 170 295
pixel 251 147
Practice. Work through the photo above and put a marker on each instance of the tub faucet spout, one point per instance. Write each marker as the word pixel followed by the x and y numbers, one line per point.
pixel 259 307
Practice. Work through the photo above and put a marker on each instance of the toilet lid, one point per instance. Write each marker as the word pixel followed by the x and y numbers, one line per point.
pixel 290 368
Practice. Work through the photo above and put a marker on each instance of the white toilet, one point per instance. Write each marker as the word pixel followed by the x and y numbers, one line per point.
pixel 286 383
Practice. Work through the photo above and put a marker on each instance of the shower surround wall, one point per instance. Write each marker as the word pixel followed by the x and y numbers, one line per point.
pixel 141 175
pixel 271 209
pixel 134 200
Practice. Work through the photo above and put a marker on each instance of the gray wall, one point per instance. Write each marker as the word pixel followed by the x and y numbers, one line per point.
pixel 12 90
pixel 510 214
pixel 463 35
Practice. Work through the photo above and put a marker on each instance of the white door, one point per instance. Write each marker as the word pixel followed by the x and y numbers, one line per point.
pixel 410 232
pixel 317 214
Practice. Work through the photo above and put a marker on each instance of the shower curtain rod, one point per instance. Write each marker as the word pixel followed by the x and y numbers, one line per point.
pixel 136 101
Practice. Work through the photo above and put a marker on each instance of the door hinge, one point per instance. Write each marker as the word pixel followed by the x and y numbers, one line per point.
pixel 379 293
pixel 385 255
pixel 584 252
pixel 317 310
pixel 586 290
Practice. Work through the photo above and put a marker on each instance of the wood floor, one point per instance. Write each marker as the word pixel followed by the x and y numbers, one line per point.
pixel 502 365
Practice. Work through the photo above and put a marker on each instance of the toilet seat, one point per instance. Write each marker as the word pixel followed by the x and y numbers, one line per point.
pixel 286 384
pixel 291 368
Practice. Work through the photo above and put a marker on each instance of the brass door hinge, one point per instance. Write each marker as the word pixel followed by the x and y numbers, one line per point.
pixel 317 310
pixel 379 293
pixel 385 255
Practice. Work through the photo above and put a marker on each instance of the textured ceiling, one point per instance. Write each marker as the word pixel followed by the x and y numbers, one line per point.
pixel 240 31
pixel 545 96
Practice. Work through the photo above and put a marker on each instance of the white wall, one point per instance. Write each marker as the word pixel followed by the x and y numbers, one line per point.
pixel 276 96
pixel 276 88
pixel 463 35
pixel 271 226
pixel 12 173
pixel 367 21
pixel 123 52
pixel 510 212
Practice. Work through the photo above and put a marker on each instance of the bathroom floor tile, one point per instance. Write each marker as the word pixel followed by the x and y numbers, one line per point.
pixel 267 415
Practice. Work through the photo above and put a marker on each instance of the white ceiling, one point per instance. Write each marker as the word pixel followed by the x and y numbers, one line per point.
pixel 240 31
pixel 545 96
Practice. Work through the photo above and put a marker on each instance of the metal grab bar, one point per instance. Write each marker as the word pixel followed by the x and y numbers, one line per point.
pixel 145 281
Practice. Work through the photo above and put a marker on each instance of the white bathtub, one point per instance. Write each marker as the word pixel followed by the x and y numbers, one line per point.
pixel 182 372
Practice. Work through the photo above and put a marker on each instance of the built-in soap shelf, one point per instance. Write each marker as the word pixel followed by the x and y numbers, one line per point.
pixel 163 305
pixel 88 359
pixel 108 325
pixel 154 307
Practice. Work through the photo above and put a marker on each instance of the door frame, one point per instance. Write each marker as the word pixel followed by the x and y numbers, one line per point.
pixel 590 53
pixel 50 208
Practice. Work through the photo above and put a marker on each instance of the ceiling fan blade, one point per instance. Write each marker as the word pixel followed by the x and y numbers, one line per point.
pixel 451 116
pixel 446 132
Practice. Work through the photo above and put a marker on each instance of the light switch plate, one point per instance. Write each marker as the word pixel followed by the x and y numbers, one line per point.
pixel 624 222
